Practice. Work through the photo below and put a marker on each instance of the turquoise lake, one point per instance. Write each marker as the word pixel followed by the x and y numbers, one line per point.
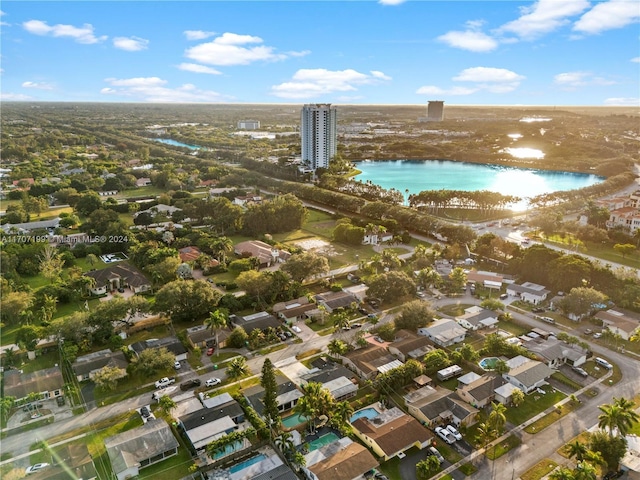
pixel 417 176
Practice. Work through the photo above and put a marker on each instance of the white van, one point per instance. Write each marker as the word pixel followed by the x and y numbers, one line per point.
pixel 603 363
pixel 547 319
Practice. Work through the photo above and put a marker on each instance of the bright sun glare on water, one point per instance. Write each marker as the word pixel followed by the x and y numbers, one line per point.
pixel 524 152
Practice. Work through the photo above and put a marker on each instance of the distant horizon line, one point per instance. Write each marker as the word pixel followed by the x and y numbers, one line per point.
pixel 313 103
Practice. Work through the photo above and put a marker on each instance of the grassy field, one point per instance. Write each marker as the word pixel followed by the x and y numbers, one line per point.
pixel 599 250
pixel 533 404
pixel 553 417
pixel 539 470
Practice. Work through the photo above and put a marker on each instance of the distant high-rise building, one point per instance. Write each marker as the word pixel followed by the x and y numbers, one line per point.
pixel 435 111
pixel 248 124
pixel 318 133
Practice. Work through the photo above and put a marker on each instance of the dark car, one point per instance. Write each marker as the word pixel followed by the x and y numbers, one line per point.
pixel 356 325
pixel 193 383
pixel 144 411
pixel 60 401
pixel 30 407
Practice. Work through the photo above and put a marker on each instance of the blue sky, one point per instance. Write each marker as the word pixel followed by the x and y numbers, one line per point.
pixel 548 52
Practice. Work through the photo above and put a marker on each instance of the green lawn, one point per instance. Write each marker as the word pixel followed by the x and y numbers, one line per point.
pixel 42 360
pixel 454 310
pixel 533 404
pixel 540 470
pixel 553 417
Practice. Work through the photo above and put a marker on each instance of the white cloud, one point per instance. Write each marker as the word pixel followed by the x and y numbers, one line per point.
pixel 390 2
pixel 608 16
pixel 487 74
pixel 494 80
pixel 544 16
pixel 152 89
pixel 82 34
pixel 130 44
pixel 14 97
pixel 301 53
pixel 38 85
pixel 195 68
pixel 623 102
pixel 635 59
pixel 580 79
pixel 454 91
pixel 4 24
pixel 309 83
pixel 198 34
pixel 229 49
pixel 471 40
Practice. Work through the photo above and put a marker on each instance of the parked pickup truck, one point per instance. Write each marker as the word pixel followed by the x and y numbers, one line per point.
pixel 165 382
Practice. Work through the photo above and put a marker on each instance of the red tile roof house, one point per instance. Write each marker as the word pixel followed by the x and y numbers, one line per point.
pixel 266 254
pixel 48 383
pixel 391 433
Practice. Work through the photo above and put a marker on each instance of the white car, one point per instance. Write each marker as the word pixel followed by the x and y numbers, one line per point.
pixel 296 329
pixel 177 365
pixel 213 382
pixel 445 435
pixel 454 431
pixel 36 468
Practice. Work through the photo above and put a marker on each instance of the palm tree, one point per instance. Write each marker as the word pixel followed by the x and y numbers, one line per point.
pixel 237 368
pixel 620 416
pixel 342 414
pixel 486 433
pixel 341 319
pixel 577 449
pixel 217 321
pixel 584 471
pixel 284 442
pixel 426 467
pixel 497 418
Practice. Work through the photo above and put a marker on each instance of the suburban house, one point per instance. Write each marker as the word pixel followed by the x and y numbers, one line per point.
pixel 476 317
pixel 260 320
pixel 480 392
pixel 48 383
pixel 627 217
pixel 202 336
pixel 369 361
pixel 444 332
pixel 409 345
pixel 86 366
pixel 140 447
pixel 554 353
pixel 160 209
pixel 439 406
pixel 72 460
pixel 620 322
pixel 118 275
pixel 504 393
pixel 30 226
pixel 340 381
pixel 265 253
pixel 191 253
pixel 527 374
pixel 375 238
pixel 334 300
pixel 172 344
pixel 143 182
pixel 288 395
pixel 391 433
pixel 293 310
pixel 486 279
pixel 528 292
pixel 343 459
pixel 245 200
pixel 222 415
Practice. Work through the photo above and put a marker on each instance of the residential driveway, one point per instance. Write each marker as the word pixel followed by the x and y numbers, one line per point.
pixel 408 464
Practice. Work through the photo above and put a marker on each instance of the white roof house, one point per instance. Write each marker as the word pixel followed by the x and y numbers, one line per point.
pixel 444 332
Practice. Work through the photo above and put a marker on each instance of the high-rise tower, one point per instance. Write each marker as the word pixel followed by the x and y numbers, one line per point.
pixel 318 132
pixel 435 111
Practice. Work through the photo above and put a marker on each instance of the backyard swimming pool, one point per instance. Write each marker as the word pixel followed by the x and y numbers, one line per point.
pixel 488 363
pixel 322 441
pixel 365 412
pixel 293 421
pixel 247 463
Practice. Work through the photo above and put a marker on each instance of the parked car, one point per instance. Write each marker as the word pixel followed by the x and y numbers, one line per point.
pixel 346 327
pixel 209 351
pixel 445 435
pixel 165 382
pixel 144 412
pixel 548 319
pixel 603 363
pixel 356 325
pixel 580 371
pixel 36 468
pixel 212 382
pixel 434 451
pixel 193 383
pixel 177 365
pixel 296 329
pixel 372 316
pixel 380 476
pixel 454 431
pixel 31 407
pixel 60 401
pixel 378 339
pixel 597 335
